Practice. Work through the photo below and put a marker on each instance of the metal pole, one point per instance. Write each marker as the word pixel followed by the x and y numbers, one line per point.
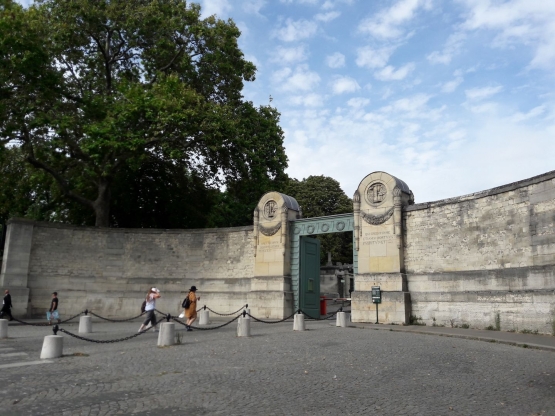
pixel 377 313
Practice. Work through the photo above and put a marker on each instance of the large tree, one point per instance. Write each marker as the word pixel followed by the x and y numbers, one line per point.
pixel 320 196
pixel 90 89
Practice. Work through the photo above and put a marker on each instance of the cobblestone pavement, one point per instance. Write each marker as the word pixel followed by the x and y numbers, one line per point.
pixel 325 370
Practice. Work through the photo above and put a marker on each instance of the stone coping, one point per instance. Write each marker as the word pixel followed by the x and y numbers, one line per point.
pixel 17 220
pixel 482 194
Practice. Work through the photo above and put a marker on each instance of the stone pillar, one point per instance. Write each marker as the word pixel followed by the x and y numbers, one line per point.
pixel 243 327
pixel 3 328
pixel 298 322
pixel 271 294
pixel 52 347
pixel 15 263
pixel 166 336
pixel 204 317
pixel 85 325
pixel 378 204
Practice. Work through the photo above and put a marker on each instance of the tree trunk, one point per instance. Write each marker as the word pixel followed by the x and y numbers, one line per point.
pixel 102 205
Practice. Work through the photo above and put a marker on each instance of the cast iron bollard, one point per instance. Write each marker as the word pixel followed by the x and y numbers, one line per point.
pixel 166 336
pixel 204 317
pixel 53 345
pixel 3 328
pixel 244 326
pixel 85 324
pixel 298 322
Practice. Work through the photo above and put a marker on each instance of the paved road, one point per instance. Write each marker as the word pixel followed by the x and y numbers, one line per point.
pixel 325 370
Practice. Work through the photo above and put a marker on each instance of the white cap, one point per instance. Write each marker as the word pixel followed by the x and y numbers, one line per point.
pixel 155 290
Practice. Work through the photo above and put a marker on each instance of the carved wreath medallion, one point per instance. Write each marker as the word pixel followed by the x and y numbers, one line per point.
pixel 377 219
pixel 375 193
pixel 269 231
pixel 270 209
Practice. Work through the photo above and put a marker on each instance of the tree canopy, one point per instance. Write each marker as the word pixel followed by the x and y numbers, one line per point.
pixel 100 94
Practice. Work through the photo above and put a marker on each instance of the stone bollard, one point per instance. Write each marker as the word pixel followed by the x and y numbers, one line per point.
pixel 166 336
pixel 204 317
pixel 244 327
pixel 3 328
pixel 298 322
pixel 341 319
pixel 85 324
pixel 52 347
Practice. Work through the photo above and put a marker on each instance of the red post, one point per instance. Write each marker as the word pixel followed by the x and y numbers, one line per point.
pixel 323 310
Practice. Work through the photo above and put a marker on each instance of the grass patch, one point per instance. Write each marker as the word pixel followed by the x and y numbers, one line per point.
pixel 414 320
pixel 465 326
pixel 490 328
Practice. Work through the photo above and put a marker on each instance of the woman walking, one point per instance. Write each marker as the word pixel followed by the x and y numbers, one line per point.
pixel 191 311
pixel 150 300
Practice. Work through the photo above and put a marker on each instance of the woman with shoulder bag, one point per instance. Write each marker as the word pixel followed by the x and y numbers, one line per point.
pixel 150 305
pixel 191 311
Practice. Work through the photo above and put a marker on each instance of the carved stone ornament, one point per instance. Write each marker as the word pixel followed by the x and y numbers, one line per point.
pixel 269 231
pixel 377 219
pixel 375 193
pixel 270 210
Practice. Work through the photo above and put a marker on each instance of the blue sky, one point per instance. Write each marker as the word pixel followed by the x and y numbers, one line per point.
pixel 453 97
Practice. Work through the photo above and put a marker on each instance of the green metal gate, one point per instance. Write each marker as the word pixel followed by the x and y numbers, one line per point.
pixel 310 227
pixel 309 299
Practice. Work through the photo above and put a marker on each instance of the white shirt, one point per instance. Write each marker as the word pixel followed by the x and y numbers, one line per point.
pixel 150 302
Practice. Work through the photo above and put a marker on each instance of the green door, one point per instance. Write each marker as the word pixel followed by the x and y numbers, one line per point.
pixel 310 276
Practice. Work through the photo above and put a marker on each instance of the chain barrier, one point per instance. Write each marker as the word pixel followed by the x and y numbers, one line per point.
pixel 97 341
pixel 115 320
pixel 224 314
pixel 205 329
pixel 47 324
pixel 271 322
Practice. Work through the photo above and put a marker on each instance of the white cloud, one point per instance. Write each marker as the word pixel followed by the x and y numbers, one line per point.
pixel 388 23
pixel 253 6
pixel 327 17
pixel 300 79
pixel 287 56
pixel 218 7
pixel 534 112
pixel 308 100
pixel 452 47
pixel 327 5
pixel 389 73
pixel 358 102
pixel 369 57
pixel 335 60
pixel 477 94
pixel 526 22
pixel 451 86
pixel 342 85
pixel 295 30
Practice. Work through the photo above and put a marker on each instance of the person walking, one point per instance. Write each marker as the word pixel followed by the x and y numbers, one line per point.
pixel 53 311
pixel 6 305
pixel 191 311
pixel 150 300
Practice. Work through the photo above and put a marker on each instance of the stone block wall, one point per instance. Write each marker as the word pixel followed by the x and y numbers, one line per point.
pixel 110 270
pixel 486 258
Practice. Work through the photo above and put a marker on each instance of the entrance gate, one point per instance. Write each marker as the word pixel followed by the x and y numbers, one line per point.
pixel 305 269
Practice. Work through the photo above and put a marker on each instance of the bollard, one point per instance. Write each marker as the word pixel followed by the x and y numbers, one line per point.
pixel 3 328
pixel 298 322
pixel 204 317
pixel 341 319
pixel 85 324
pixel 52 347
pixel 244 327
pixel 166 336
pixel 247 310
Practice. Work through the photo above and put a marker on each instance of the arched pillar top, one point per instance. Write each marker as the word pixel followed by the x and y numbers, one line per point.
pixel 380 190
pixel 273 204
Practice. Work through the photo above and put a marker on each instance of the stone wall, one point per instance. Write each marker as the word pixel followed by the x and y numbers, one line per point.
pixel 110 270
pixel 485 259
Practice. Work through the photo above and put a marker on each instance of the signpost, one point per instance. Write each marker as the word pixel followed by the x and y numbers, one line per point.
pixel 376 298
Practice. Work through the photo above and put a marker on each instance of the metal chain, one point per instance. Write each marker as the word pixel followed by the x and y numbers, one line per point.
pixel 206 329
pixel 272 322
pixel 225 314
pixel 110 341
pixel 47 324
pixel 117 320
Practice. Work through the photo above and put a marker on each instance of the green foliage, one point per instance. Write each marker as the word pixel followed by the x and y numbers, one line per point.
pixel 320 196
pixel 91 90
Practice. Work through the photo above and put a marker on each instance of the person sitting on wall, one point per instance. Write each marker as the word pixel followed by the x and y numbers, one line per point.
pixel 6 305
pixel 150 305
pixel 191 311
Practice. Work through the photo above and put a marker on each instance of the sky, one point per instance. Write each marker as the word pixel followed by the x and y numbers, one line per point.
pixel 453 97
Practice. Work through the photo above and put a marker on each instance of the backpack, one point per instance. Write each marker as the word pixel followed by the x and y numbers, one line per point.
pixel 143 306
pixel 186 302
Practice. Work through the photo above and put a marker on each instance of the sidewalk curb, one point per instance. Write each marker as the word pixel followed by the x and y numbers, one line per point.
pixel 461 336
